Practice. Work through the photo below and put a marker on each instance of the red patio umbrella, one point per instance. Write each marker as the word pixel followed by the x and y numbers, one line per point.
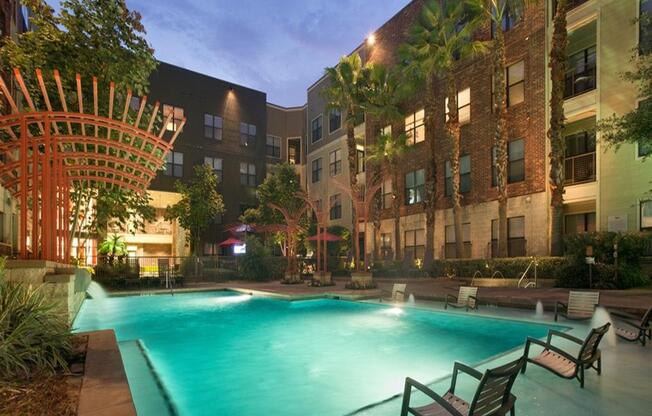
pixel 325 236
pixel 231 242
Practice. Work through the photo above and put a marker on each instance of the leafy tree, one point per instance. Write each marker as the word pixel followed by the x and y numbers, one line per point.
pixel 557 65
pixel 199 206
pixel 346 93
pixel 442 37
pixel 281 188
pixel 113 246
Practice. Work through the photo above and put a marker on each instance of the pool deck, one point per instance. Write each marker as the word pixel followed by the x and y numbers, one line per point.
pixel 622 389
pixel 635 300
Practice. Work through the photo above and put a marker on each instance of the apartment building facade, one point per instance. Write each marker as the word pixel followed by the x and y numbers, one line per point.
pixel 605 189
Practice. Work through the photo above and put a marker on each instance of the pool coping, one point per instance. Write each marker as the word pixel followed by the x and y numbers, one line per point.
pixel 105 389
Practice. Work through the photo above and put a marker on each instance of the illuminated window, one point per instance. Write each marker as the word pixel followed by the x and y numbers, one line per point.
pixel 515 83
pixel 388 195
pixel 414 127
pixel 415 186
pixel 177 116
pixel 247 134
pixel 463 106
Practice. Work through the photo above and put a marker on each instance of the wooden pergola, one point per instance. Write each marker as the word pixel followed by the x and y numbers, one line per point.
pixel 47 152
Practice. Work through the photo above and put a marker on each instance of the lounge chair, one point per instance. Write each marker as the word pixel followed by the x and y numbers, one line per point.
pixel 631 328
pixel 564 364
pixel 397 293
pixel 467 298
pixel 581 305
pixel 492 397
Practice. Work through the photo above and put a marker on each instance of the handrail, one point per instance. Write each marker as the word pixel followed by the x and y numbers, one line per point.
pixel 524 275
pixel 476 274
pixel 502 276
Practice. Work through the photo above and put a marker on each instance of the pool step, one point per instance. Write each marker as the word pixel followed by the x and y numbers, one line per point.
pixel 149 395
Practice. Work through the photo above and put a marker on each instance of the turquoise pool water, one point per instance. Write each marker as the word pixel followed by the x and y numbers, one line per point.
pixel 224 353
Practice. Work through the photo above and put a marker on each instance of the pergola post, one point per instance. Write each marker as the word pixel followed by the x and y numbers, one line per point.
pixel 23 186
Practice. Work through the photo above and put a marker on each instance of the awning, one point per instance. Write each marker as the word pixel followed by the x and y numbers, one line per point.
pixel 231 242
pixel 325 236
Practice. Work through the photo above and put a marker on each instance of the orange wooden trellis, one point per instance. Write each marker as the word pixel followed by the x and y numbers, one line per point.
pixel 48 152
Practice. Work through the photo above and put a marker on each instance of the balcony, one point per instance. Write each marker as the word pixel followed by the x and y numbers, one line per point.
pixel 581 77
pixel 571 4
pixel 579 169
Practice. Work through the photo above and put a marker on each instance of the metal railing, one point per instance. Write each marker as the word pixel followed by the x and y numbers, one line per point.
pixel 579 168
pixel 524 282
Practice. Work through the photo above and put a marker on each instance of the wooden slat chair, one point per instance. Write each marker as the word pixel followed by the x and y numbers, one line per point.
pixel 581 305
pixel 467 298
pixel 631 328
pixel 492 397
pixel 397 294
pixel 562 363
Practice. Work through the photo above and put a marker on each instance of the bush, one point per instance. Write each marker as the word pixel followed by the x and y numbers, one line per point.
pixel 604 274
pixel 276 267
pixel 34 337
pixel 254 264
pixel 360 285
pixel 510 268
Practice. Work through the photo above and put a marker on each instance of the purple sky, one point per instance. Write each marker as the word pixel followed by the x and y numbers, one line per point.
pixel 276 46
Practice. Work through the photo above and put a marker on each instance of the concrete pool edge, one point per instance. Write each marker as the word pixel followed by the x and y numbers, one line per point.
pixel 105 389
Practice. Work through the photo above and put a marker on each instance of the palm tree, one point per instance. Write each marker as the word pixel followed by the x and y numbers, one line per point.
pixel 557 66
pixel 113 246
pixel 382 95
pixel 346 93
pixel 437 42
pixel 494 12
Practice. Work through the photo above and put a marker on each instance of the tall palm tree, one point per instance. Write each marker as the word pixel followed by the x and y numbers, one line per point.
pixel 346 93
pixel 557 66
pixel 494 12
pixel 441 38
pixel 382 95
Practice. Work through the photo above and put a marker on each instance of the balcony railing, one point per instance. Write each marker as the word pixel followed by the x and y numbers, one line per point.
pixel 571 4
pixel 450 250
pixel 580 168
pixel 516 247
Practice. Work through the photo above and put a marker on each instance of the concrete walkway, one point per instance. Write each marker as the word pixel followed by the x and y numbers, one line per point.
pixel 635 300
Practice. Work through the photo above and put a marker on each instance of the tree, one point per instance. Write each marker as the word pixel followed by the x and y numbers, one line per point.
pixel 346 93
pixel 199 206
pixel 281 188
pixel 557 65
pixel 441 38
pixel 113 246
pixel 382 98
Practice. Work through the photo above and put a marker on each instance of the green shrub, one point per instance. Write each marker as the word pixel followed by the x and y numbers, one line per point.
pixel 276 267
pixel 604 274
pixel 254 264
pixel 361 285
pixel 34 336
pixel 510 268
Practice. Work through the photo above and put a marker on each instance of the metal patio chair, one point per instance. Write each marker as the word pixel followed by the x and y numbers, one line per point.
pixel 581 305
pixel 564 364
pixel 397 293
pixel 492 397
pixel 466 298
pixel 631 328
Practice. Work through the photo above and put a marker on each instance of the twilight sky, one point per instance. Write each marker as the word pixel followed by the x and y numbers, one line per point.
pixel 276 46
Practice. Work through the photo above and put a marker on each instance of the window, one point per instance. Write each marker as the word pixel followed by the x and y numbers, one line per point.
pixel 646 215
pixel 294 151
pixel 414 127
pixel 247 174
pixel 463 106
pixel 515 162
pixel 387 130
pixel 579 163
pixel 450 248
pixel 177 116
pixel 515 83
pixel 273 146
pixel 388 195
pixel 580 72
pixel 511 17
pixel 465 176
pixel 386 250
pixel 316 127
pixel 359 161
pixel 335 162
pixel 645 26
pixel 515 237
pixel 211 249
pixel 174 164
pixel 212 127
pixel 579 223
pixel 414 186
pixel 316 170
pixel 334 119
pixel 247 134
pixel 216 164
pixel 415 243
pixel 336 207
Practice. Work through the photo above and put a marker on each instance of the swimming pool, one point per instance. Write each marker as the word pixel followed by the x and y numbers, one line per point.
pixel 225 353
